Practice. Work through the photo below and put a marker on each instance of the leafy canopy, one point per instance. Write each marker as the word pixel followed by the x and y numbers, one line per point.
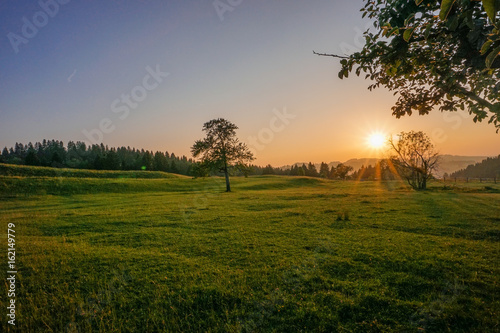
pixel 432 54
pixel 220 149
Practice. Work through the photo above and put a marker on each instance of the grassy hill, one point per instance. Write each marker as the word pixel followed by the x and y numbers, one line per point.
pixel 282 254
pixel 35 171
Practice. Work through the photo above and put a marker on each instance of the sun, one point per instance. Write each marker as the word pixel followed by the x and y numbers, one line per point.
pixel 376 140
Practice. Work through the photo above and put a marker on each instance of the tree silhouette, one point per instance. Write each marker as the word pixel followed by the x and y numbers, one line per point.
pixel 415 158
pixel 342 170
pixel 323 170
pixel 448 60
pixel 221 150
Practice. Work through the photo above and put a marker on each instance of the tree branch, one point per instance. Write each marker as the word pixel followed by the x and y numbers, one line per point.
pixel 330 55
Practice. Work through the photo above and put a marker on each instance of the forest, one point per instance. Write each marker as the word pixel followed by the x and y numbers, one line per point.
pixel 488 168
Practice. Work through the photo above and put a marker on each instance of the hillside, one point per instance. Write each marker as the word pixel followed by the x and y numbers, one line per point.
pixel 488 168
pixel 36 171
pixel 452 163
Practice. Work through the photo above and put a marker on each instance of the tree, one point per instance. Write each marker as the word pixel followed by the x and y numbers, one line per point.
pixel 111 161
pixel 31 157
pixel 415 158
pixel 323 170
pixel 56 160
pixel 268 170
pixel 221 149
pixel 448 60
pixel 302 170
pixel 160 162
pixel 342 170
pixel 147 161
pixel 173 167
pixel 311 170
pixel 294 170
pixel 5 155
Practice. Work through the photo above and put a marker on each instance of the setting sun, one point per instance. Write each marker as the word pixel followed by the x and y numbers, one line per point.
pixel 376 140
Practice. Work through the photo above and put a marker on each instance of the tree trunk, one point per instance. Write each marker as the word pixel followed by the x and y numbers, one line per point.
pixel 424 183
pixel 228 186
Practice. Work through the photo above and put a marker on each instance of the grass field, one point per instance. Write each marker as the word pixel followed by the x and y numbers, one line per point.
pixel 283 254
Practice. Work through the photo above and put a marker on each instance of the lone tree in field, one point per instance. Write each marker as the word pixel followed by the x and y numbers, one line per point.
pixel 415 158
pixel 450 60
pixel 221 149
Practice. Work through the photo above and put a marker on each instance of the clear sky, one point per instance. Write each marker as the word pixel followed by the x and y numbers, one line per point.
pixel 149 73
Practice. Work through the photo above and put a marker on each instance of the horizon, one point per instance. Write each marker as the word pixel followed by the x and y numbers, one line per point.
pixel 149 75
pixel 280 166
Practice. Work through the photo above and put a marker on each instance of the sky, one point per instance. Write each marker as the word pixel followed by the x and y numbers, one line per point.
pixel 148 74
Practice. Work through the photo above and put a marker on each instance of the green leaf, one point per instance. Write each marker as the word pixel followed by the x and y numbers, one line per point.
pixel 392 70
pixel 492 56
pixel 445 8
pixel 491 7
pixel 407 34
pixel 486 47
pixel 394 31
pixel 408 19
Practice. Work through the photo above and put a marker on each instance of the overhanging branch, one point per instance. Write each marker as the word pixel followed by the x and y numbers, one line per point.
pixel 330 55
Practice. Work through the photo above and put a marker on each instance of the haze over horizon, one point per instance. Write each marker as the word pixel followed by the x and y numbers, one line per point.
pixel 149 74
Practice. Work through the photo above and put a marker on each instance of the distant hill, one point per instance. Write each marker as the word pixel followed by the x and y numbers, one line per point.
pixel 452 163
pixel 488 168
pixel 447 163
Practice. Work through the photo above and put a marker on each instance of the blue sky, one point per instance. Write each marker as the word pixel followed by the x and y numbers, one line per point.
pixel 245 64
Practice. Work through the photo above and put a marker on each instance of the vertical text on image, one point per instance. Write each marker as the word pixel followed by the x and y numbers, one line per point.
pixel 11 273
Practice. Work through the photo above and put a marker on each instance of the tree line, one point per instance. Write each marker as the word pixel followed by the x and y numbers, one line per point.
pixel 488 168
pixel 340 171
pixel 380 171
pixel 78 155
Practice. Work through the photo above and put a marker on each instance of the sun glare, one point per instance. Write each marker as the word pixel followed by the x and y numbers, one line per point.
pixel 376 140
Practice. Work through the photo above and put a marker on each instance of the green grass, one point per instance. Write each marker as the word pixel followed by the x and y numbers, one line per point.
pixel 277 254
pixel 34 171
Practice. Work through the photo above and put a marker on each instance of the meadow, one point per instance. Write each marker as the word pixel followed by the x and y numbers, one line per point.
pixel 155 252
